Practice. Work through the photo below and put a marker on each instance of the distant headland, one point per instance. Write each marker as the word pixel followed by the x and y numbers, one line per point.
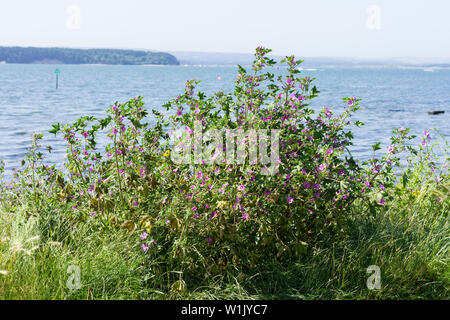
pixel 85 56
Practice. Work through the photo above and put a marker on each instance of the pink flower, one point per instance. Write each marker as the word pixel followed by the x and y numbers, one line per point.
pixel 194 208
pixel 391 149
pixel 74 208
pixel 144 235
pixel 245 216
pixel 241 187
pixel 179 112
pixel 144 247
pixel 114 131
pixel 289 199
pixel 321 167
pixel 329 151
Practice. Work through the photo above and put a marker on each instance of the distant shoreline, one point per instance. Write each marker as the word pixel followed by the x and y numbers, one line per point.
pixel 37 55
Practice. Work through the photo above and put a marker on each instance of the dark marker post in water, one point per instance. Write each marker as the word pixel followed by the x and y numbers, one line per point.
pixel 57 73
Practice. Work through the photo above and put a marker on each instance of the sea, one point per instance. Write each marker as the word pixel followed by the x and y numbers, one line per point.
pixel 30 103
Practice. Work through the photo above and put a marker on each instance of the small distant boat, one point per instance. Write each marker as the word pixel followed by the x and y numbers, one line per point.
pixel 436 112
pixel 428 70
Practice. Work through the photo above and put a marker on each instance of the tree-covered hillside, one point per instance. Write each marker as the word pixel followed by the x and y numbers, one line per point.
pixel 84 56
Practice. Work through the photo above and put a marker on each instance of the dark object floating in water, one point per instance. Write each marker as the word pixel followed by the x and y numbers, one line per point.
pixel 436 112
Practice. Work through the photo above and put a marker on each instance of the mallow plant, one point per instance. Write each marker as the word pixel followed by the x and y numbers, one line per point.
pixel 218 181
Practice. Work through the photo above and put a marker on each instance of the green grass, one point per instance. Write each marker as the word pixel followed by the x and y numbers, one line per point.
pixel 409 241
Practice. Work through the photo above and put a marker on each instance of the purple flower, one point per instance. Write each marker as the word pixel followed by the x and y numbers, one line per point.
pixel 144 247
pixel 194 208
pixel 321 167
pixel 391 149
pixel 329 151
pixel 209 240
pixel 241 187
pixel 143 235
pixel 245 216
pixel 114 131
pixel 306 185
pixel 74 207
pixel 382 202
pixel 289 199
pixel 382 187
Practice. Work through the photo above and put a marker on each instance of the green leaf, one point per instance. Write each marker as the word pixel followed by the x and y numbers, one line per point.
pixel 376 146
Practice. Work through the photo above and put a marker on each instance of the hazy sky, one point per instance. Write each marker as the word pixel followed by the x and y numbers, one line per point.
pixel 345 28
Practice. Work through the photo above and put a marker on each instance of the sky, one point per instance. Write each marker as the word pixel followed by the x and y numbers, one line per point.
pixel 323 28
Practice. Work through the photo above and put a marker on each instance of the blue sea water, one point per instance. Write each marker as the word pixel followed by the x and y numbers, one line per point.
pixel 29 102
